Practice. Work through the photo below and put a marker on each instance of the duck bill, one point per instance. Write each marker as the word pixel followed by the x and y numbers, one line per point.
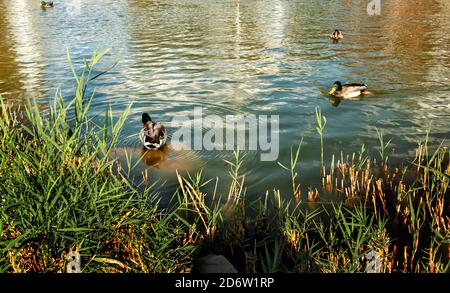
pixel 332 91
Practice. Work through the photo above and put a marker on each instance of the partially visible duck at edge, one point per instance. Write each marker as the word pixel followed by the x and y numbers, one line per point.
pixel 153 134
pixel 348 91
pixel 46 4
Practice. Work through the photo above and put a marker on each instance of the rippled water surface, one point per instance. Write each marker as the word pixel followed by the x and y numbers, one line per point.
pixel 238 58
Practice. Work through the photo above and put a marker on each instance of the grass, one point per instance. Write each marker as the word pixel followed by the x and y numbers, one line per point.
pixel 321 122
pixel 62 190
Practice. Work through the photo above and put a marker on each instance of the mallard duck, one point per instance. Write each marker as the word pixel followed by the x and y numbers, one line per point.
pixel 45 4
pixel 347 91
pixel 153 134
pixel 336 35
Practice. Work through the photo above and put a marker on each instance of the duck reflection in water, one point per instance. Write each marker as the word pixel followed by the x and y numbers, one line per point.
pixel 335 101
pixel 155 158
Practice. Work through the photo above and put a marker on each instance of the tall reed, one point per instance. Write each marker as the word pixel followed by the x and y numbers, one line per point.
pixel 62 191
pixel 321 121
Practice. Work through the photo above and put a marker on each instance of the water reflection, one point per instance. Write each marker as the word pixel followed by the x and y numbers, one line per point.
pixel 335 101
pixel 240 57
pixel 155 158
pixel 10 83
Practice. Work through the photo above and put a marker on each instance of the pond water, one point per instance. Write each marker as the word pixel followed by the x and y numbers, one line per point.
pixel 239 58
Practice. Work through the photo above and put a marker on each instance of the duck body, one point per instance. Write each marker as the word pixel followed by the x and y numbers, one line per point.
pixel 336 35
pixel 348 90
pixel 153 134
pixel 45 4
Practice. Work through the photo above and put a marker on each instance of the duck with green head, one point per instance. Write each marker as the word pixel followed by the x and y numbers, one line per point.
pixel 45 4
pixel 348 91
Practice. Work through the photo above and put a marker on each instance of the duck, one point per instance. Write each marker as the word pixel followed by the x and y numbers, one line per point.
pixel 348 91
pixel 45 4
pixel 153 134
pixel 336 35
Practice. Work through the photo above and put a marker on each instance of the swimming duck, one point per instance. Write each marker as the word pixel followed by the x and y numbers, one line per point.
pixel 153 134
pixel 347 91
pixel 45 4
pixel 336 35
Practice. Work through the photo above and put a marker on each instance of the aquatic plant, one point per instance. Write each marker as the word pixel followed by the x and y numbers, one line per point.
pixel 321 122
pixel 63 191
pixel 383 219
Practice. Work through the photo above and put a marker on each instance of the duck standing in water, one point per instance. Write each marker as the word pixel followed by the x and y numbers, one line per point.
pixel 336 35
pixel 348 91
pixel 45 4
pixel 153 134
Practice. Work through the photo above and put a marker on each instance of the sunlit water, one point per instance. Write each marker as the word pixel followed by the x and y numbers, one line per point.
pixel 238 58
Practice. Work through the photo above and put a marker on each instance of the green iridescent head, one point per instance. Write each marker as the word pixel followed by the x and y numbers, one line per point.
pixel 337 86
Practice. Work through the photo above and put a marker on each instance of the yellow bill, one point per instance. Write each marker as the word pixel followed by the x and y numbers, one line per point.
pixel 333 89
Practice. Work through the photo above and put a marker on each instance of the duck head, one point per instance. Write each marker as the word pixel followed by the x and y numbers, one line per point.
pixel 146 118
pixel 337 87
